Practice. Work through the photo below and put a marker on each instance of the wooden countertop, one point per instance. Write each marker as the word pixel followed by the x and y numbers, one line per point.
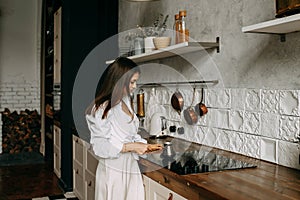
pixel 265 181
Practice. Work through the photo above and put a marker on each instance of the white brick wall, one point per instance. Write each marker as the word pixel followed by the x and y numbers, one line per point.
pixel 17 97
pixel 20 96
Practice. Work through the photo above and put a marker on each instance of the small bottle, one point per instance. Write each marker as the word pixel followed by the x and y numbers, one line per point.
pixel 140 103
pixel 176 28
pixel 183 30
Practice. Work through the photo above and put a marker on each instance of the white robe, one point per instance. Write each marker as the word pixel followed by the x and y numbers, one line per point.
pixel 118 176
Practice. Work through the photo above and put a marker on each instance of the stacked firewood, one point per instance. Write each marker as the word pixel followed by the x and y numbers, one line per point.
pixel 20 131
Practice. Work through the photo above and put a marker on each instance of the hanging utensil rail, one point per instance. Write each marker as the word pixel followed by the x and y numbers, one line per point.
pixel 176 84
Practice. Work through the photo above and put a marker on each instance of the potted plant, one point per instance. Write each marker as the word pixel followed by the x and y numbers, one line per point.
pixel 157 30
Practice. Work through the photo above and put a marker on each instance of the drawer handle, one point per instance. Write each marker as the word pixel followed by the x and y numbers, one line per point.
pixel 166 180
pixel 90 184
pixel 170 196
pixel 76 171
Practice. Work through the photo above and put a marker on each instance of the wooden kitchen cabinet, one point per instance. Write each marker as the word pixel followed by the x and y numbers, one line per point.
pixel 160 192
pixel 156 191
pixel 91 163
pixel 85 164
pixel 146 186
pixel 57 151
pixel 89 185
pixel 78 168
pixel 57 50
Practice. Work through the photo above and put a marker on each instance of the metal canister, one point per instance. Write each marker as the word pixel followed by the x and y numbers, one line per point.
pixel 140 103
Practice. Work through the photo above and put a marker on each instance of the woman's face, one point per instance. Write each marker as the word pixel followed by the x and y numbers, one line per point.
pixel 132 83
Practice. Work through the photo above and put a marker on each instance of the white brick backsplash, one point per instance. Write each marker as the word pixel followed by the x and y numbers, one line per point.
pixel 219 98
pixel 259 123
pixel 238 98
pixel 270 125
pixel 187 97
pixel 236 142
pixel 269 150
pixel 251 123
pixel 236 120
pixel 251 146
pixel 211 137
pixel 224 140
pixel 289 102
pixel 252 100
pixel 270 101
pixel 288 154
pixel 219 118
pixel 289 128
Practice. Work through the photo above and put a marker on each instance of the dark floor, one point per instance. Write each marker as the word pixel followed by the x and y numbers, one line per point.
pixel 28 181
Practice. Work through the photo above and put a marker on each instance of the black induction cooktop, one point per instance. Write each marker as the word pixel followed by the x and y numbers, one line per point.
pixel 198 161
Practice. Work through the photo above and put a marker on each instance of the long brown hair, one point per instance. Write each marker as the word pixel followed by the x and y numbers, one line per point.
pixel 111 86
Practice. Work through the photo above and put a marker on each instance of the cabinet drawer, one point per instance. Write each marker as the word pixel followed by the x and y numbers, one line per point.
pixel 90 194
pixel 90 179
pixel 77 168
pixel 57 136
pixel 56 162
pixel 90 185
pixel 91 162
pixel 78 149
pixel 78 186
pixel 160 192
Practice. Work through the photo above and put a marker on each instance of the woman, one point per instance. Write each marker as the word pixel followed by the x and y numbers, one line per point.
pixel 113 126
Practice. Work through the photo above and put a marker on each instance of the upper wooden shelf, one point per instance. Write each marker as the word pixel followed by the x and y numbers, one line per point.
pixel 277 26
pixel 177 49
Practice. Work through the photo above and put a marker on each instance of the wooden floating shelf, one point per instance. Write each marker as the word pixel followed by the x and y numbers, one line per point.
pixel 283 25
pixel 177 49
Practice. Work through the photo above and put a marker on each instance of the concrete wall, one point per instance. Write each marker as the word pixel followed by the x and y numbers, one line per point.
pixel 254 110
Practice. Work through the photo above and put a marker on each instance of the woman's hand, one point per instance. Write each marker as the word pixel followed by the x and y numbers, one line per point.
pixel 140 148
pixel 137 147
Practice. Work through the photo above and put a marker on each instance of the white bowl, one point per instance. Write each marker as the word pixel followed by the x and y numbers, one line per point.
pixel 161 42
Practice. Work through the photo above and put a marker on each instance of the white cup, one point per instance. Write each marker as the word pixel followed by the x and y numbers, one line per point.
pixel 149 46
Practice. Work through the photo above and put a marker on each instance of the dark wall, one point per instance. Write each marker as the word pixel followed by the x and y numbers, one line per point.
pixel 85 24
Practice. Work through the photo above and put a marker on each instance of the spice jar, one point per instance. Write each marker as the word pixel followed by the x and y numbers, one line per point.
pixel 183 30
pixel 176 28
